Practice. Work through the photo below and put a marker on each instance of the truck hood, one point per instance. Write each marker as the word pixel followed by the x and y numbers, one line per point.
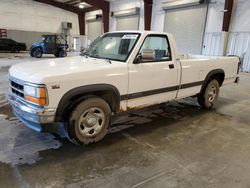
pixel 37 44
pixel 44 70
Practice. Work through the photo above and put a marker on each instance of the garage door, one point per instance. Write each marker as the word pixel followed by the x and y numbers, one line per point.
pixel 187 25
pixel 127 22
pixel 94 29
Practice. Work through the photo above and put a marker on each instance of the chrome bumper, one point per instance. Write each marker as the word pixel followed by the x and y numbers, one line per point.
pixel 38 119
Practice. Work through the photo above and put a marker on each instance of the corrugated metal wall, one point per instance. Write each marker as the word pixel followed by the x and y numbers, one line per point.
pixel 212 44
pixel 238 44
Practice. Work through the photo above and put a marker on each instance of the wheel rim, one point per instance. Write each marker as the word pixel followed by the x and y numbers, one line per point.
pixel 212 93
pixel 38 53
pixel 91 122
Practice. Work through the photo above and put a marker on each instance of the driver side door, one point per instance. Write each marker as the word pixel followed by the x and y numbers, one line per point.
pixel 50 45
pixel 152 80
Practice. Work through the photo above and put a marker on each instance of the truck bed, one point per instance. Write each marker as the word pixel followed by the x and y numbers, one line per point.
pixel 197 67
pixel 201 57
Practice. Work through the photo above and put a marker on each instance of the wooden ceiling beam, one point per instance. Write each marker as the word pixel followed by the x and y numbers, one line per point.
pixel 101 4
pixel 70 1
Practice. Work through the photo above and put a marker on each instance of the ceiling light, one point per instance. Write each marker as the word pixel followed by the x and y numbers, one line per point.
pixel 81 6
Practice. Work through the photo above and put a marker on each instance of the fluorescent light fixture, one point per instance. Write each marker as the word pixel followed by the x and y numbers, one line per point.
pixel 81 6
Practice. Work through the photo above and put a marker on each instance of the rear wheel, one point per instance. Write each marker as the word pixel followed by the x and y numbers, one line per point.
pixel 209 95
pixel 89 121
pixel 38 53
pixel 13 49
pixel 62 53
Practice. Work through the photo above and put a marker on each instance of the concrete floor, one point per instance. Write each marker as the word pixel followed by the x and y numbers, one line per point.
pixel 172 145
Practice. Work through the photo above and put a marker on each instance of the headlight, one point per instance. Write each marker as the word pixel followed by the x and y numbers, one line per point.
pixel 35 95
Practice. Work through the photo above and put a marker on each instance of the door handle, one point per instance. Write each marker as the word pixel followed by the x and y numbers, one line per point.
pixel 171 66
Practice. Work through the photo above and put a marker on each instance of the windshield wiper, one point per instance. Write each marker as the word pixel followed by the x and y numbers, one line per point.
pixel 106 59
pixel 85 54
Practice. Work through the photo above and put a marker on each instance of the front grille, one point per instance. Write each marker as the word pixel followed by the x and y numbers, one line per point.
pixel 17 88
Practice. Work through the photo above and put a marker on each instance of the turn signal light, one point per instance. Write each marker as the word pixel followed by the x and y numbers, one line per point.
pixel 39 101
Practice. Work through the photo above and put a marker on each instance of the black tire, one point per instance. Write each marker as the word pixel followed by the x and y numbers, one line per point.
pixel 18 49
pixel 62 53
pixel 89 121
pixel 208 97
pixel 56 54
pixel 13 49
pixel 38 53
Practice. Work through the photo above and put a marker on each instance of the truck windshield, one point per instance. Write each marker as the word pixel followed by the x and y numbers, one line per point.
pixel 113 46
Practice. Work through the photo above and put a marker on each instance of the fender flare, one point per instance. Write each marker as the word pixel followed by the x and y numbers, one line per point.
pixel 209 75
pixel 35 47
pixel 84 91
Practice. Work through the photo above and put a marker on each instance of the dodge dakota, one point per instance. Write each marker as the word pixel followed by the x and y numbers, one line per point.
pixel 119 71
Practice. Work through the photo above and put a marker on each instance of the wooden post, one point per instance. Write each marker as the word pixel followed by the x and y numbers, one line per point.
pixel 81 20
pixel 148 5
pixel 226 23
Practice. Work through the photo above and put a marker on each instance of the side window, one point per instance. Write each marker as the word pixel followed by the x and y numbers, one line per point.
pixel 50 39
pixel 53 39
pixel 155 48
pixel 3 41
pixel 8 41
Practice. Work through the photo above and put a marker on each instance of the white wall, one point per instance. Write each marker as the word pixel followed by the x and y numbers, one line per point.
pixel 158 16
pixel 28 15
pixel 215 16
pixel 213 43
pixel 239 33
pixel 126 4
pixel 241 16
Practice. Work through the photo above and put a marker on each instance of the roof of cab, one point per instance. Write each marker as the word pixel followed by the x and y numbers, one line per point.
pixel 141 32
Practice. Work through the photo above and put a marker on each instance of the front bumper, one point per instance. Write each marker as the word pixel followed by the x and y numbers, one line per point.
pixel 37 119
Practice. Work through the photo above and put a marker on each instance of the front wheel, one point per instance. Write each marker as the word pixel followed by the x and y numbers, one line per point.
pixel 209 95
pixel 13 49
pixel 38 53
pixel 89 121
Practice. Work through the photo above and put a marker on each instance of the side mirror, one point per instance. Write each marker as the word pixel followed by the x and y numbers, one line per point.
pixel 145 56
pixel 137 59
pixel 148 55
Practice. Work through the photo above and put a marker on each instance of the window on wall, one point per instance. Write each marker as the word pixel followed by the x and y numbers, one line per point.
pixel 158 46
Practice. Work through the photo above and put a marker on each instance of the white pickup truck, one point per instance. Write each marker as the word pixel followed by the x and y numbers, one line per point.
pixel 120 71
